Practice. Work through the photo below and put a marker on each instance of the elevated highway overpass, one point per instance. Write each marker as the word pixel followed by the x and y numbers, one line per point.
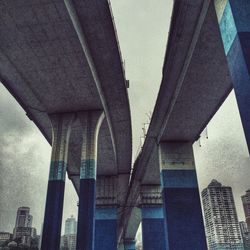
pixel 200 69
pixel 62 63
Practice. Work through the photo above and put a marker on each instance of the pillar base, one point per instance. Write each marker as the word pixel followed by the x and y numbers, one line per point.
pixel 106 229
pixel 153 228
pixel 52 221
pixel 184 219
pixel 181 199
pixel 85 227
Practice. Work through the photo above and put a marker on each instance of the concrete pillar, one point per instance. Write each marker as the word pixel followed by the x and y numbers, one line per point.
pixel 129 244
pixel 90 122
pixel 106 213
pixel 181 198
pixel 154 234
pixel 61 126
pixel 234 22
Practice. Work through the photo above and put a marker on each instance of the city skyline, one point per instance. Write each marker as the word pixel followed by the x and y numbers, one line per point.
pixel 25 219
pixel 24 233
pixel 72 222
pixel 25 154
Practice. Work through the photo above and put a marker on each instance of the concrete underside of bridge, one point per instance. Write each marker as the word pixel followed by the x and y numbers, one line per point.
pixel 63 57
pixel 195 82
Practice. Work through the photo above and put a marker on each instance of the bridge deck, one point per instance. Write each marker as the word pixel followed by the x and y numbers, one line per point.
pixel 195 82
pixel 46 68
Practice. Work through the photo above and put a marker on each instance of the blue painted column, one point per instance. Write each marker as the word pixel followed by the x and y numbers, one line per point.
pixel 105 229
pixel 182 207
pixel 154 234
pixel 234 22
pixel 90 122
pixel 129 244
pixel 106 213
pixel 51 235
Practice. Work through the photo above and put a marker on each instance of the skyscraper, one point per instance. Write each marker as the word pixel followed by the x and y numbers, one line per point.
pixel 68 240
pixel 246 205
pixel 221 221
pixel 70 225
pixel 23 228
pixel 23 218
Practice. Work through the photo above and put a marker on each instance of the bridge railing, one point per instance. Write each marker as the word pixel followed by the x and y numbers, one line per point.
pixel 118 44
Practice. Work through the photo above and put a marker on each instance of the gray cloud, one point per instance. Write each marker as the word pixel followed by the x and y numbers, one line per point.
pixel 224 156
pixel 19 161
pixel 12 118
pixel 142 27
pixel 24 165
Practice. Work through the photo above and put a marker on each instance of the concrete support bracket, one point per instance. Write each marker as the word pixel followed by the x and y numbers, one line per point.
pixel 61 127
pixel 106 213
pixel 106 191
pixel 150 195
pixel 90 122
pixel 154 233
pixel 177 165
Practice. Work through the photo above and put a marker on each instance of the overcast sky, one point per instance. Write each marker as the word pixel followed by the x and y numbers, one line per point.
pixel 142 28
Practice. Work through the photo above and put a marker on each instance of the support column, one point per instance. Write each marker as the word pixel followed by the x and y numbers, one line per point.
pixel 51 236
pixel 181 198
pixel 129 244
pixel 154 234
pixel 234 22
pixel 90 122
pixel 106 213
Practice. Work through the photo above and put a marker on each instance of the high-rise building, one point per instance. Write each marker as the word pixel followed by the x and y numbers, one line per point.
pixel 68 240
pixel 245 235
pixel 23 218
pixel 4 236
pixel 221 221
pixel 23 229
pixel 71 241
pixel 246 205
pixel 70 225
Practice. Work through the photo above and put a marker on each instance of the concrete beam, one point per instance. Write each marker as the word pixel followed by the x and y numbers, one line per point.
pixel 184 68
pixel 77 25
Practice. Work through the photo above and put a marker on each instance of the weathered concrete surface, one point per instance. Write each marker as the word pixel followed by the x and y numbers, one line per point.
pixel 45 67
pixel 195 83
